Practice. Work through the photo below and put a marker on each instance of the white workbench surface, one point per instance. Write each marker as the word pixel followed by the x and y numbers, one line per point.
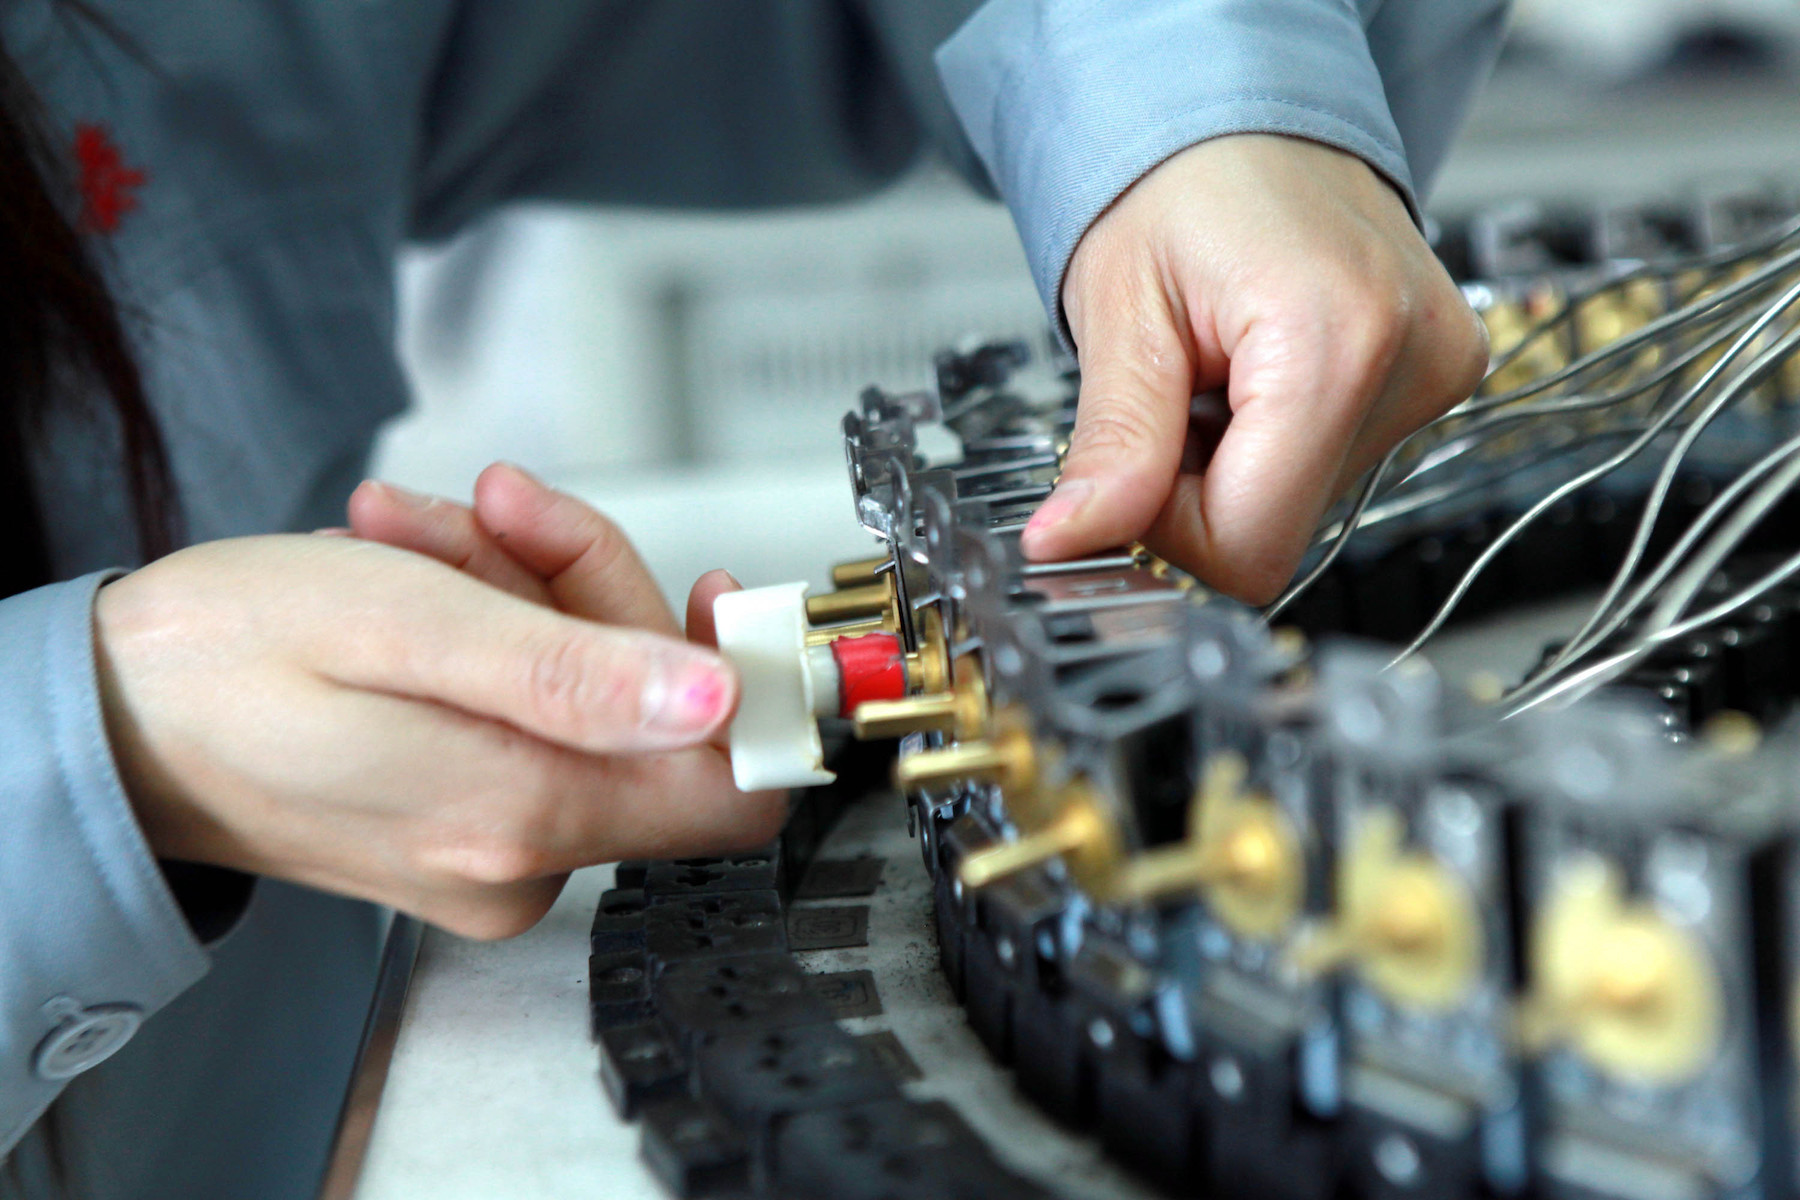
pixel 493 1090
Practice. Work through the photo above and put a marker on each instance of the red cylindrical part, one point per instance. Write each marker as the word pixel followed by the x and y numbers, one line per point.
pixel 870 667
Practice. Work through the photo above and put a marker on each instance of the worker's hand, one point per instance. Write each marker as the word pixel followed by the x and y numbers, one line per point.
pixel 370 721
pixel 539 544
pixel 1289 273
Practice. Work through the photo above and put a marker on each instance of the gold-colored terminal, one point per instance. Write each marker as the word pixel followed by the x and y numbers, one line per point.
pixel 1732 733
pixel 831 633
pixel 1616 312
pixel 961 712
pixel 1508 322
pixel 1485 687
pixel 860 573
pixel 852 604
pixel 1241 854
pixel 1619 982
pixel 1289 642
pixel 1008 758
pixel 1405 922
pixel 928 667
pixel 1075 823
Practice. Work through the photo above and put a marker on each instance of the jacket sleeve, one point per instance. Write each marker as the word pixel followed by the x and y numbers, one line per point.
pixel 91 939
pixel 1069 102
pixel 1433 57
pixel 691 103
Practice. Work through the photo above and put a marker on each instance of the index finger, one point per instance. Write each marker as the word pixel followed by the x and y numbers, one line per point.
pixel 1299 394
pixel 1130 422
pixel 425 630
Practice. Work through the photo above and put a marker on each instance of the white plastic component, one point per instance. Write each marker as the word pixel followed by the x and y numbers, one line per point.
pixel 775 736
pixel 827 681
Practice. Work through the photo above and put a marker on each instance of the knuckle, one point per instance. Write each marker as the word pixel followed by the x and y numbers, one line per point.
pixel 1473 360
pixel 569 690
pixel 607 545
pixel 497 920
pixel 492 858
pixel 1459 343
pixel 1378 331
pixel 1110 430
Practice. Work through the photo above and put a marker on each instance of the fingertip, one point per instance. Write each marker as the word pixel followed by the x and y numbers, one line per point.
pixel 1085 515
pixel 503 489
pixel 507 467
pixel 690 699
pixel 364 501
pixel 511 475
pixel 717 582
pixel 378 504
pixel 708 588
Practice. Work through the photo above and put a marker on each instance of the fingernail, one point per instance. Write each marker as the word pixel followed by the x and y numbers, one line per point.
pixel 685 695
pixel 731 579
pixel 409 498
pixel 1060 508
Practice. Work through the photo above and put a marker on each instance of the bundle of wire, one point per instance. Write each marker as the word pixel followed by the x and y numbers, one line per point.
pixel 1626 373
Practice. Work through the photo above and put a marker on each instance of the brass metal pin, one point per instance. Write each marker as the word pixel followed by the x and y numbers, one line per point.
pixel 1067 834
pixel 934 768
pixel 830 633
pixel 860 573
pixel 913 714
pixel 1010 759
pixel 851 604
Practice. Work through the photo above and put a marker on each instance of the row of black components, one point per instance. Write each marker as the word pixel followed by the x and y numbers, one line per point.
pixel 713 1035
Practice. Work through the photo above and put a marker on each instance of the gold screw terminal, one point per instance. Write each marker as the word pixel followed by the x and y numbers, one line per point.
pixel 1619 982
pixel 961 712
pixel 1404 920
pixel 851 604
pixel 1241 854
pixel 860 573
pixel 1075 823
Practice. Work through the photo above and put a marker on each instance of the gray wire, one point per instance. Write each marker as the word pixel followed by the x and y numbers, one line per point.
pixel 1492 551
pixel 1337 547
pixel 1647 587
pixel 1714 261
pixel 1638 337
pixel 1659 490
pixel 1562 405
pixel 1477 405
pixel 1662 624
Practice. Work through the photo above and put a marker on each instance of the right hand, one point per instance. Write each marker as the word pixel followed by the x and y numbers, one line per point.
pixel 369 721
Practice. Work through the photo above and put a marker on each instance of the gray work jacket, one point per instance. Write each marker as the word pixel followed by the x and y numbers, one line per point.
pixel 254 165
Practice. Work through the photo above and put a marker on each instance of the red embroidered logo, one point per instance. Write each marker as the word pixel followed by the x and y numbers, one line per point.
pixel 107 184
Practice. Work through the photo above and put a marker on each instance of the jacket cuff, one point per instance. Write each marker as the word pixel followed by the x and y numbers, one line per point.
pixel 1070 102
pixel 91 937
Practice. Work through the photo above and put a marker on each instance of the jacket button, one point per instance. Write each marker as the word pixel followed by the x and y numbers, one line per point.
pixel 85 1038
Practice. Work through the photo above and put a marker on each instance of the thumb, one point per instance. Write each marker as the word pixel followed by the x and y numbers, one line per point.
pixel 1130 424
pixel 701 629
